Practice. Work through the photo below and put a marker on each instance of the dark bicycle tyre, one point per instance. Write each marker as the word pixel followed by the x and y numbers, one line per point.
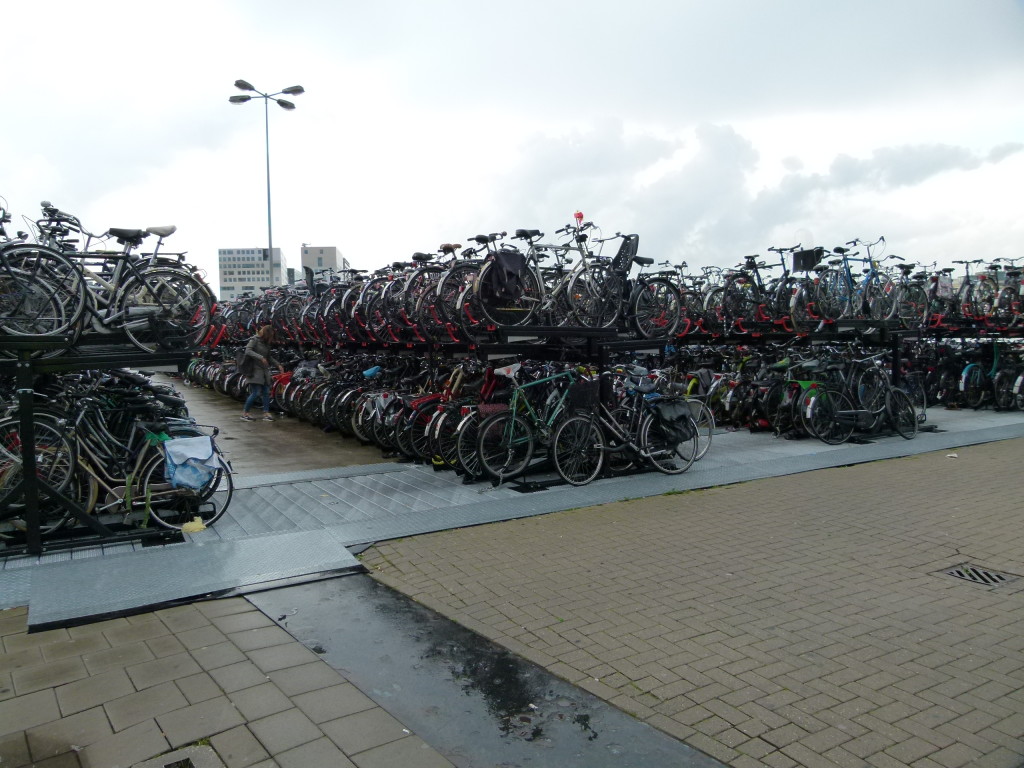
pixel 595 296
pixel 165 309
pixel 505 312
pixel 911 304
pixel 872 385
pixel 901 413
pixel 1002 389
pixel 975 387
pixel 577 451
pixel 665 455
pixel 466 445
pixel 173 507
pixel 831 416
pixel 656 309
pixel 505 443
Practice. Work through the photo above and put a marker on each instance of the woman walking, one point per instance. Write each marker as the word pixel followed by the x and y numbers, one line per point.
pixel 256 367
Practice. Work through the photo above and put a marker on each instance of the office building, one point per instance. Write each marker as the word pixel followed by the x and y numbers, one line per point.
pixel 248 271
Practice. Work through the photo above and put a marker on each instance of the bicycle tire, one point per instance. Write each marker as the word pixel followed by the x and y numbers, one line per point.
pixel 831 416
pixel 505 443
pixel 595 296
pixel 508 312
pixel 704 420
pixel 576 450
pixel 902 415
pixel 663 455
pixel 975 387
pixel 465 445
pixel 165 309
pixel 656 309
pixel 173 507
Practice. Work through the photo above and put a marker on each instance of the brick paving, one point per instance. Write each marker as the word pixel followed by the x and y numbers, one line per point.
pixel 217 683
pixel 792 621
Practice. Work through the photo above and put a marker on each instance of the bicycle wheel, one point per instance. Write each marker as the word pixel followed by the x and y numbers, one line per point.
pixel 871 388
pixel 704 420
pixel 983 299
pixel 901 413
pixel 465 445
pixel 975 387
pixel 576 450
pixel 911 305
pixel 505 443
pixel 655 309
pixel 170 507
pixel 664 454
pixel 595 296
pixel 29 306
pixel 165 309
pixel 1002 388
pixel 881 298
pixel 56 276
pixel 831 416
pixel 505 311
pixel 55 459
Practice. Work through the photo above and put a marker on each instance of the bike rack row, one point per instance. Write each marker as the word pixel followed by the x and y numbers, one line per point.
pixel 25 368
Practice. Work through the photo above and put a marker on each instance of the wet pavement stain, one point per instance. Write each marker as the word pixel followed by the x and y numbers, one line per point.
pixel 475 702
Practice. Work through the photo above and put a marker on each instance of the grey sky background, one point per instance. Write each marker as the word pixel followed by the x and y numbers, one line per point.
pixel 713 129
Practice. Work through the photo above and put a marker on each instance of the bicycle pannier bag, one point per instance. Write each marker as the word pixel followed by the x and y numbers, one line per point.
pixel 673 421
pixel 507 275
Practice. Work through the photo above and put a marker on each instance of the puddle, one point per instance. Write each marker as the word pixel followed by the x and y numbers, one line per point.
pixel 470 699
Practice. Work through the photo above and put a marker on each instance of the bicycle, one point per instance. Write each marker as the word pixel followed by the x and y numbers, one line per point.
pixel 642 426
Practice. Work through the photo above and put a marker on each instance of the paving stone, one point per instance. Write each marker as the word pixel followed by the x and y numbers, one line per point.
pixel 14 750
pixel 93 691
pixel 166 645
pixel 285 730
pixel 126 748
pixel 148 703
pixel 13 621
pixel 182 618
pixel 220 655
pixel 49 675
pixel 201 637
pixel 97 626
pixel 26 657
pixel 19 642
pixel 305 677
pixel 364 730
pixel 225 607
pixel 67 760
pixel 69 734
pixel 315 754
pixel 198 721
pixel 331 703
pixel 74 647
pixel 238 748
pixel 235 677
pixel 260 637
pixel 198 687
pixel 260 701
pixel 119 657
pixel 281 656
pixel 162 670
pixel 135 632
pixel 23 712
pixel 238 622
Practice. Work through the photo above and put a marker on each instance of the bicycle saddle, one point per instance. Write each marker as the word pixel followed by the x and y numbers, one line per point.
pixel 508 371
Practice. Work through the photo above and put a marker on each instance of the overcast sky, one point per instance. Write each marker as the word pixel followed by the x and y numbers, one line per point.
pixel 713 128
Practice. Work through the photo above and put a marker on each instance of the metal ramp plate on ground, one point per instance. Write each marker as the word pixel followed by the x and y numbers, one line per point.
pixel 298 525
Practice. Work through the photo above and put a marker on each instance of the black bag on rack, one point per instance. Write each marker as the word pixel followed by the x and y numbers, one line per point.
pixel 507 275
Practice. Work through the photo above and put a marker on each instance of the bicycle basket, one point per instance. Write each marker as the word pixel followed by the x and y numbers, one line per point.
pixel 488 409
pixel 804 261
pixel 584 394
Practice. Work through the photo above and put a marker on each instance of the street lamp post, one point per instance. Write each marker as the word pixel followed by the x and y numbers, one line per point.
pixel 241 98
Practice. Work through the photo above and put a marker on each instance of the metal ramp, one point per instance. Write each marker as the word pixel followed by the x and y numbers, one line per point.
pixel 283 528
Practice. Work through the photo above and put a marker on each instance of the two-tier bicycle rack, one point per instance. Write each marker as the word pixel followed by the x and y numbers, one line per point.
pixel 90 531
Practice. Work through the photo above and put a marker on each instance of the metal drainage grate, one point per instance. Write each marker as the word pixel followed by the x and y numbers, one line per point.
pixel 978 575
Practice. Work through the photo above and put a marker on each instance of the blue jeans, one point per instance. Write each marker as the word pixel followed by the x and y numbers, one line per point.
pixel 256 391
